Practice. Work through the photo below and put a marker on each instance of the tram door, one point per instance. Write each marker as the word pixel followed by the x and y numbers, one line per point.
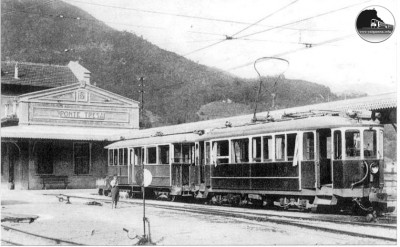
pixel 201 163
pixel 137 159
pixel 324 176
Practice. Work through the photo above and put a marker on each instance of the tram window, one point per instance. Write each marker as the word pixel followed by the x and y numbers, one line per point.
pixel 183 153
pixel 207 153
pixel 380 145
pixel 110 157
pixel 353 143
pixel 256 149
pixel 268 148
pixel 188 152
pixel 152 155
pixel 291 145
pixel 221 149
pixel 337 144
pixel 178 158
pixel 122 157
pixel 125 156
pixel 240 150
pixel 115 157
pixel 139 156
pixel 308 146
pixel 280 147
pixel 131 154
pixel 369 143
pixel 163 154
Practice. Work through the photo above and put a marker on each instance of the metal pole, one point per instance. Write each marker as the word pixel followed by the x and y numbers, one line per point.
pixel 144 205
pixel 141 79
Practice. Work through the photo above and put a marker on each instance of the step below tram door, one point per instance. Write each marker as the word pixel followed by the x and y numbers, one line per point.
pixel 324 171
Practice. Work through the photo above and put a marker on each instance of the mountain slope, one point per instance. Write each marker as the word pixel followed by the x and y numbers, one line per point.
pixel 56 32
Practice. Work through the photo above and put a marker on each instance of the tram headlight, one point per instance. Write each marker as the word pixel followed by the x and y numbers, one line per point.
pixel 374 168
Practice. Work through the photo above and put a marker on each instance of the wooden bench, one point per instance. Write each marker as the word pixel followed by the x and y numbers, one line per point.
pixel 52 179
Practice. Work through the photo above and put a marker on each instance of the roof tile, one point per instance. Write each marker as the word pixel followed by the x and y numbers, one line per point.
pixel 34 74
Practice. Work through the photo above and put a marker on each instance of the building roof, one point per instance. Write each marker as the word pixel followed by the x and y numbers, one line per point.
pixel 35 74
pixel 60 133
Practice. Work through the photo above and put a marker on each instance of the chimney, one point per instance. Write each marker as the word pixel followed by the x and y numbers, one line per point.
pixel 86 77
pixel 16 71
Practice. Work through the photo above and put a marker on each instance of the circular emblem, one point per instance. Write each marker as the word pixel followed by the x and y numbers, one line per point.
pixel 375 24
pixel 143 177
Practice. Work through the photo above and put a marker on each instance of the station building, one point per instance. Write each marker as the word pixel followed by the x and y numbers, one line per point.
pixel 55 125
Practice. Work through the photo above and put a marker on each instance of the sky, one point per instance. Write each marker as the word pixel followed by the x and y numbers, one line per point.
pixel 232 34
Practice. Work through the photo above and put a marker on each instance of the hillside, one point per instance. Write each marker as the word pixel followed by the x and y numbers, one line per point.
pixel 56 32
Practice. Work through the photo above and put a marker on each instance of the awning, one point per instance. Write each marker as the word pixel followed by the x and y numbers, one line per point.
pixel 179 138
pixel 61 133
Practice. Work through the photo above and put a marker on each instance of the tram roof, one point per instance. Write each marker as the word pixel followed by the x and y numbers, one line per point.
pixel 291 124
pixel 179 138
pixel 375 102
pixel 302 124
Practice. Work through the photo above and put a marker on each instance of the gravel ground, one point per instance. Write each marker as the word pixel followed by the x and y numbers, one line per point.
pixel 100 225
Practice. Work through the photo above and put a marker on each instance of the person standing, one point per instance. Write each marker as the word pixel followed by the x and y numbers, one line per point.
pixel 114 192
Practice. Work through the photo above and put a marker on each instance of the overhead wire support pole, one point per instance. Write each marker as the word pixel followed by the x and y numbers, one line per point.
pixel 141 91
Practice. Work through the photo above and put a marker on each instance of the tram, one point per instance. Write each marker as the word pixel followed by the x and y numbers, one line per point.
pixel 309 161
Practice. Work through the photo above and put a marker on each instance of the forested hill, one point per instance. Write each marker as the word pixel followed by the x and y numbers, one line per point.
pixel 56 32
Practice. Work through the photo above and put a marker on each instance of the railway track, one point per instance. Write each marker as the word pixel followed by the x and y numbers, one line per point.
pixel 340 227
pixel 21 237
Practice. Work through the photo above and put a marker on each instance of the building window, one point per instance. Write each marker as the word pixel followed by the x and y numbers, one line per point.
pixel 353 143
pixel 163 154
pixel 369 144
pixel 152 155
pixel 3 156
pixel 82 158
pixel 240 149
pixel 256 149
pixel 45 157
pixel 308 146
pixel 268 148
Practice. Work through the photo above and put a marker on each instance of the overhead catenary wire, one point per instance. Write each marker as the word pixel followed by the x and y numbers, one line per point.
pixel 231 36
pixel 283 25
pixel 302 20
pixel 262 19
pixel 296 50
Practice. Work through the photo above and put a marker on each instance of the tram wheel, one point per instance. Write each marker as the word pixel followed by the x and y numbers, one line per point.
pixel 100 192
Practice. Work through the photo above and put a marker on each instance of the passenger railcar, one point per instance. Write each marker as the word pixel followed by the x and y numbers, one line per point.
pixel 304 161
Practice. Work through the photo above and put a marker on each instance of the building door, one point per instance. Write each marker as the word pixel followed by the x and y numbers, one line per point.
pixel 11 166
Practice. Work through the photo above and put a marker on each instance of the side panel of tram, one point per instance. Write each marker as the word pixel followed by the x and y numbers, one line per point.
pixel 322 163
pixel 319 165
pixel 175 168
